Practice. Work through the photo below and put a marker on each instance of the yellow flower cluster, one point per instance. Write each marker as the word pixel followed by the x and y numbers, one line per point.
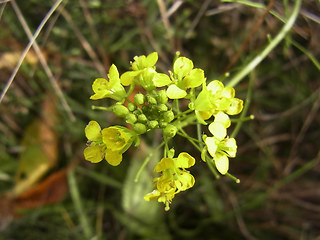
pixel 174 178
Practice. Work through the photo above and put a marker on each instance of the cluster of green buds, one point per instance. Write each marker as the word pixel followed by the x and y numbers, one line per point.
pixel 156 106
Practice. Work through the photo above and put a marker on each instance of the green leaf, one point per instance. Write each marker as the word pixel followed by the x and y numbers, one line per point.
pixel 133 192
pixel 174 92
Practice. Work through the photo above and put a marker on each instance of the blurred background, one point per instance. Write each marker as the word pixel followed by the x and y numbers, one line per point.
pixel 48 191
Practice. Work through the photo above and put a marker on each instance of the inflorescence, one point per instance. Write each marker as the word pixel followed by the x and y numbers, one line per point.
pixel 156 106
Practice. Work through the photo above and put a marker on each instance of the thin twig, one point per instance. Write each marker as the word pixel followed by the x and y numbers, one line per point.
pixel 273 43
pixel 42 59
pixel 2 6
pixel 26 50
pixel 94 32
pixel 195 22
pixel 85 44
pixel 165 20
pixel 249 36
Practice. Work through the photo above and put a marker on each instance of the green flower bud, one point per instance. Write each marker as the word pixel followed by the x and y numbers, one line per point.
pixel 162 97
pixel 120 110
pixel 191 105
pixel 142 118
pixel 139 128
pixel 162 108
pixel 131 118
pixel 131 106
pixel 168 116
pixel 137 112
pixel 151 100
pixel 170 131
pixel 139 99
pixel 163 124
pixel 153 124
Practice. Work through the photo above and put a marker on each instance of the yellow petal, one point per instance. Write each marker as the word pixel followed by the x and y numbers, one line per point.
pixel 92 131
pixel 185 160
pixel 164 164
pixel 222 163
pixel 211 145
pixel 218 130
pixel 113 158
pixel 93 154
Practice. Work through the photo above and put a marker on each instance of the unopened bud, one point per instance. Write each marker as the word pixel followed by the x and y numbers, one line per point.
pixel 163 124
pixel 151 100
pixel 131 118
pixel 168 116
pixel 139 128
pixel 139 99
pixel 162 97
pixel 170 131
pixel 162 108
pixel 120 110
pixel 142 118
pixel 131 106
pixel 153 124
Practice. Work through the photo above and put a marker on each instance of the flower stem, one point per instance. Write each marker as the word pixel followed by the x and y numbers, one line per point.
pixel 285 29
pixel 145 162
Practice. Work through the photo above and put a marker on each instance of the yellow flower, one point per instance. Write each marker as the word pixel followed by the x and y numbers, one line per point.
pixel 174 178
pixel 109 143
pixel 109 89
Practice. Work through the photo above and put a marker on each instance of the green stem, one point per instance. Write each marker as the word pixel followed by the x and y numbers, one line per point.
pixel 286 28
pixel 212 168
pixel 145 162
pixel 192 141
pixel 101 108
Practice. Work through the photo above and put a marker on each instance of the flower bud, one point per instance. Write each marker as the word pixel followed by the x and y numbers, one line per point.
pixel 170 131
pixel 168 116
pixel 153 124
pixel 151 100
pixel 131 118
pixel 139 128
pixel 142 118
pixel 131 106
pixel 162 97
pixel 120 110
pixel 163 124
pixel 162 108
pixel 139 99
